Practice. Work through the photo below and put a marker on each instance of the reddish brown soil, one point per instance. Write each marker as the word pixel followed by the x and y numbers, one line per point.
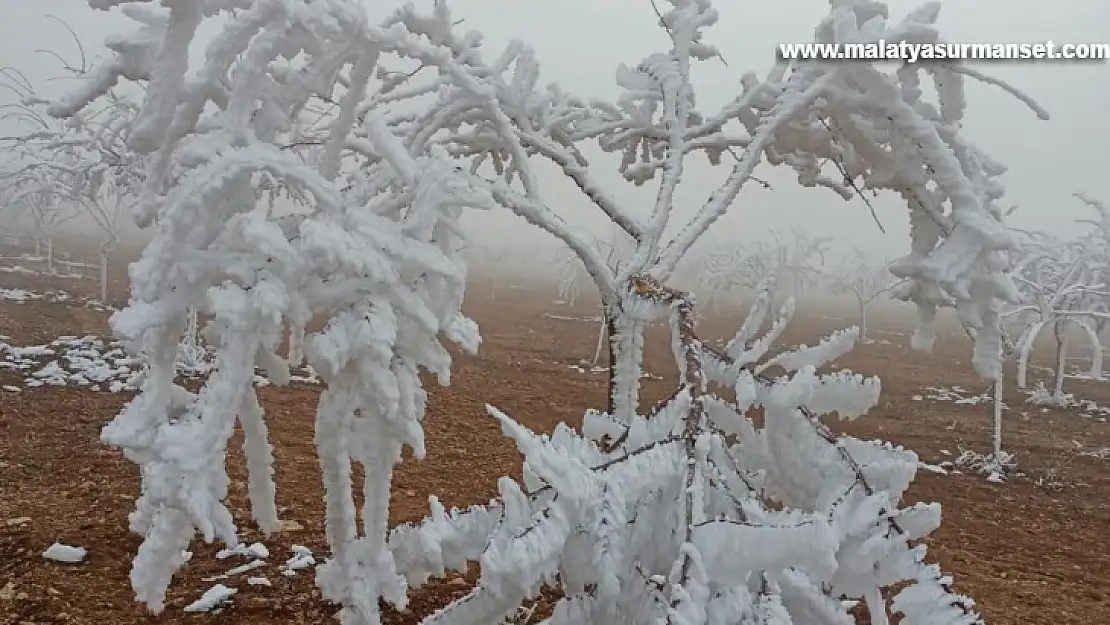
pixel 1030 554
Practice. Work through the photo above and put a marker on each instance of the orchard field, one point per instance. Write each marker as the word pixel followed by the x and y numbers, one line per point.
pixel 317 180
pixel 1030 551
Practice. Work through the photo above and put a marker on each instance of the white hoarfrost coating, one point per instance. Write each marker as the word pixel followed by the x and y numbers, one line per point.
pixel 380 135
pixel 212 598
pixel 667 519
pixel 374 252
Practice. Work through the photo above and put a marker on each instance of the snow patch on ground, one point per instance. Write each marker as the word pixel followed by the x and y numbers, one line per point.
pixel 1045 399
pixel 216 597
pixel 1100 454
pixel 592 319
pixel 69 360
pixel 1038 396
pixel 957 395
pixel 90 362
pixel 22 296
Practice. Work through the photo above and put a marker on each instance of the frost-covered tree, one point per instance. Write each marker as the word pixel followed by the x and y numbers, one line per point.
pixel 1063 291
pixel 731 268
pixel 572 273
pixel 375 252
pixel 1098 238
pixel 84 163
pixel 795 259
pixel 697 512
pixel 573 276
pixel 1054 287
pixel 487 260
pixel 873 125
pixel 997 464
pixel 32 195
pixel 865 282
pixel 801 260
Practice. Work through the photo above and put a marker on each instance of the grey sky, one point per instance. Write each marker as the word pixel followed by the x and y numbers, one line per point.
pixel 580 42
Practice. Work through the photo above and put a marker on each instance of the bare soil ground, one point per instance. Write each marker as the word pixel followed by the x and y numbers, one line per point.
pixel 1032 551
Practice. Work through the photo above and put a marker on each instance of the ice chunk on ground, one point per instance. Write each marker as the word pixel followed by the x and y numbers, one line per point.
pixel 213 597
pixel 64 553
pixel 254 550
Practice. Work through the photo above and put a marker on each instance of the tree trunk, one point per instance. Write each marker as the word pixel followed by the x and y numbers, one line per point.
pixel 104 255
pixel 190 351
pixel 50 255
pixel 1061 362
pixel 609 321
pixel 998 416
pixel 601 332
pixel 296 346
pixel 625 363
pixel 862 321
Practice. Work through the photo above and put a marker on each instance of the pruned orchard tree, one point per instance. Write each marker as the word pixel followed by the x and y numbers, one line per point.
pixel 999 463
pixel 801 260
pixel 735 267
pixel 795 259
pixel 375 253
pixel 864 281
pixel 192 356
pixel 29 194
pixel 85 162
pixel 487 259
pixel 1046 270
pixel 32 195
pixel 573 276
pixel 572 273
pixel 1063 291
pixel 1098 238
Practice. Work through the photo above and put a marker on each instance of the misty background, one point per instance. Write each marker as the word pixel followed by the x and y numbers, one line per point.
pixel 579 44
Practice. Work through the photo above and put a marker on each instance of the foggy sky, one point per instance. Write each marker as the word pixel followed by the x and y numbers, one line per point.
pixel 580 42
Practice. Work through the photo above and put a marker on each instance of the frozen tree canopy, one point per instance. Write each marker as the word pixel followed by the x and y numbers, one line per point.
pixel 382 134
